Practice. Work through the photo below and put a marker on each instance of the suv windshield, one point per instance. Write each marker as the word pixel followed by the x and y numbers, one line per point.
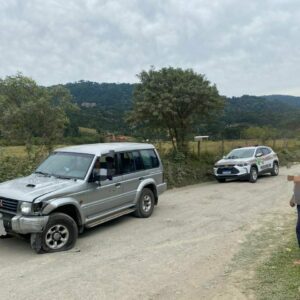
pixel 240 153
pixel 66 165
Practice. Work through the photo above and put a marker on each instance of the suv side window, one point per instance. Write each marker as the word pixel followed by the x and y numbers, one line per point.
pixel 138 161
pixel 149 158
pixel 127 162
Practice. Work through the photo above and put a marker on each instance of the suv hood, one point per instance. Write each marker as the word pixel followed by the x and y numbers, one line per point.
pixel 226 161
pixel 31 187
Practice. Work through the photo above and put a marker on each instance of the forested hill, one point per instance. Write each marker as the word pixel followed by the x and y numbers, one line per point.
pixel 290 100
pixel 112 95
pixel 104 105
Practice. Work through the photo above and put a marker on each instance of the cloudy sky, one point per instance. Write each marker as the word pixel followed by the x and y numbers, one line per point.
pixel 245 47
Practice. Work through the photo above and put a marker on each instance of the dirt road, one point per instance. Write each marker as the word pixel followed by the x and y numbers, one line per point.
pixel 181 252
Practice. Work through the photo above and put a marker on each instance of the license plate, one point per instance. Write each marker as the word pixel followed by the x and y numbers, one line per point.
pixel 226 172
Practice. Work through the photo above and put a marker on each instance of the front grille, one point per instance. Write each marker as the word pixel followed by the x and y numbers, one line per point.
pixel 9 204
pixel 232 170
pixel 225 166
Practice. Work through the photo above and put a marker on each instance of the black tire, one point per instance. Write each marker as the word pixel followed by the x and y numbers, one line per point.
pixel 7 236
pixel 221 180
pixel 145 205
pixel 253 175
pixel 60 234
pixel 275 169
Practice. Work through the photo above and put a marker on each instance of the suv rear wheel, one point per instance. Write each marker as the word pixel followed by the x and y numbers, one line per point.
pixel 253 174
pixel 145 204
pixel 60 234
pixel 275 170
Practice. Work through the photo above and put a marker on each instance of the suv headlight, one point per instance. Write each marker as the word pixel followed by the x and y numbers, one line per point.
pixel 26 208
pixel 242 165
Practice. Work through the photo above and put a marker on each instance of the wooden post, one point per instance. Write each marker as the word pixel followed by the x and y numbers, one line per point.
pixel 199 148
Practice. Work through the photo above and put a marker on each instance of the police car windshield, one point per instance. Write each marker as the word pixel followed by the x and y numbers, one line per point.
pixel 240 153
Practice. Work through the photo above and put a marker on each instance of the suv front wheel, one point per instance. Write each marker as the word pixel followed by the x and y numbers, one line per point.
pixel 145 204
pixel 60 234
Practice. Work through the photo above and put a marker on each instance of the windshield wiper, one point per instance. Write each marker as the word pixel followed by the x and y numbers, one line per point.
pixel 61 177
pixel 42 173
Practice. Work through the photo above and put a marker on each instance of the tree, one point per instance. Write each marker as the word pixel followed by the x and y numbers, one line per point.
pixel 173 100
pixel 28 111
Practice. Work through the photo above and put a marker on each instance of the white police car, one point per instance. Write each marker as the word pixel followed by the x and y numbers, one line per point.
pixel 247 163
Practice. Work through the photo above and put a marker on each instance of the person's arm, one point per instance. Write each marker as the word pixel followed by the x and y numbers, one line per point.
pixel 292 201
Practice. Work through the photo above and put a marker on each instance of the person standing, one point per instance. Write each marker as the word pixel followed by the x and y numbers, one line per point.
pixel 295 201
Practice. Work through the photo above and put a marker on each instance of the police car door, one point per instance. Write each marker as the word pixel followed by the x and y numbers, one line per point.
pixel 268 158
pixel 260 160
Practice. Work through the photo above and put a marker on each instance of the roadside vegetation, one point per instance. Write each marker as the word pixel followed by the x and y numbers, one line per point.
pixel 266 267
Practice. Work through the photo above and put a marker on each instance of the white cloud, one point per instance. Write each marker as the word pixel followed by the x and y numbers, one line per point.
pixel 244 47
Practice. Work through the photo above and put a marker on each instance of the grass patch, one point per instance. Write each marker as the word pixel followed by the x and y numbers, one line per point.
pixel 278 277
pixel 264 267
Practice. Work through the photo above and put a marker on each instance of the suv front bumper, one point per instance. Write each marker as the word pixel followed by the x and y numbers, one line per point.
pixel 22 224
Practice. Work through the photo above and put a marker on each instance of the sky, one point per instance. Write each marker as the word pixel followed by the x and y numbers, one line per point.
pixel 244 47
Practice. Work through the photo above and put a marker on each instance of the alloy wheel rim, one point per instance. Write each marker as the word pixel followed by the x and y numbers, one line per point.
pixel 57 237
pixel 147 203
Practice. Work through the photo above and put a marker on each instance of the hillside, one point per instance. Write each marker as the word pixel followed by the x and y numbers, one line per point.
pixel 285 99
pixel 104 106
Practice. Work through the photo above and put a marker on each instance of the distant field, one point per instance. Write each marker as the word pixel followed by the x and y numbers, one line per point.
pixel 206 146
pixel 87 130
pixel 216 146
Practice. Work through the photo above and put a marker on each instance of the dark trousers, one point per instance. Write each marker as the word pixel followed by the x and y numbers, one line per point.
pixel 298 225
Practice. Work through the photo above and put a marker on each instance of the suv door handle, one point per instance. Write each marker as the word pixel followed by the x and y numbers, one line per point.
pixel 117 185
pixel 141 178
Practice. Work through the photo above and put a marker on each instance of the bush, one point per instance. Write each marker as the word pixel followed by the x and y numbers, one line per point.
pixel 13 167
pixel 181 169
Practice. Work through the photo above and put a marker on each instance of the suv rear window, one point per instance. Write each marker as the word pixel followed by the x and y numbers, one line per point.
pixel 149 158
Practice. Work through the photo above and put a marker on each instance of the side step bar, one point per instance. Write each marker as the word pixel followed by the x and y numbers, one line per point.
pixel 111 217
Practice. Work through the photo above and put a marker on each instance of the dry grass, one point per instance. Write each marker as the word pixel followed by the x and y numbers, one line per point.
pixel 87 130
pixel 215 147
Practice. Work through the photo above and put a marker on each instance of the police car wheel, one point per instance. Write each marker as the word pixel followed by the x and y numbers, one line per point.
pixel 221 180
pixel 253 175
pixel 275 170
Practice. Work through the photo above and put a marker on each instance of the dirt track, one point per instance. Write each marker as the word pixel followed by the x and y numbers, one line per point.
pixel 181 252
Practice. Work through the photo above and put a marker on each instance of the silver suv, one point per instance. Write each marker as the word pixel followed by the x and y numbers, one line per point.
pixel 80 187
pixel 247 163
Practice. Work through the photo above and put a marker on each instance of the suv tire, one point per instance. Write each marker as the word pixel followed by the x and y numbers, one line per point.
pixel 7 236
pixel 275 169
pixel 60 234
pixel 253 175
pixel 145 204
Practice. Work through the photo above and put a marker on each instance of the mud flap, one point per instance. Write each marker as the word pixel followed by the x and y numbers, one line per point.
pixel 36 242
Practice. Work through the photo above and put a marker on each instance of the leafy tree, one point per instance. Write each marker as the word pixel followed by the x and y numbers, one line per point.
pixel 173 100
pixel 28 111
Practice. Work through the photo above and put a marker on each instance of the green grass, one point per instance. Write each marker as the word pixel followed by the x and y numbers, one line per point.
pixel 278 277
pixel 264 267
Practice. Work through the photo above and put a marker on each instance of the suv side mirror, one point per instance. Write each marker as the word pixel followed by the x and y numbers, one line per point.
pixel 259 154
